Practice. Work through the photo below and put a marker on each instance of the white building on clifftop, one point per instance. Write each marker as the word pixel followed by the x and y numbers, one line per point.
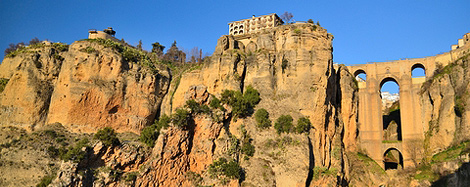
pixel 254 24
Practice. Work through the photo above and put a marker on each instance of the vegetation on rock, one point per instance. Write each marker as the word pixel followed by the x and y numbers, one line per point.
pixel 242 104
pixel 262 118
pixel 107 136
pixel 45 181
pixel 247 147
pixel 3 83
pixel 230 169
pixel 150 133
pixel 303 125
pixel 75 153
pixel 181 118
pixel 283 124
pixel 20 48
pixel 197 108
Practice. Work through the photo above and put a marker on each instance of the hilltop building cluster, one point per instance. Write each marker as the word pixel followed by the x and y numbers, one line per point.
pixel 462 41
pixel 254 24
pixel 105 34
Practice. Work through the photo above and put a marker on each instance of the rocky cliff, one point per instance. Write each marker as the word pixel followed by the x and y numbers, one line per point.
pixel 213 135
pixel 291 67
pixel 85 86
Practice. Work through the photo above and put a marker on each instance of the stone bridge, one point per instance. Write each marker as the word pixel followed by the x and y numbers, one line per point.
pixel 412 128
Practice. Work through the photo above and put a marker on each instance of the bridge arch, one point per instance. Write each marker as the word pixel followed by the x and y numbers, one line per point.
pixel 360 75
pixel 418 70
pixel 390 111
pixel 388 79
pixel 393 159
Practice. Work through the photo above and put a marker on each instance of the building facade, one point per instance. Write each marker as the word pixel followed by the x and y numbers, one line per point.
pixel 105 34
pixel 254 24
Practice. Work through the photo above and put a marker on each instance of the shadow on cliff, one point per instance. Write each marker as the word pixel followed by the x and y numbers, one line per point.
pixel 461 177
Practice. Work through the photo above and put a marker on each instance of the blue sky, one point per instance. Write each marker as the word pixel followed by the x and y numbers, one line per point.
pixel 365 31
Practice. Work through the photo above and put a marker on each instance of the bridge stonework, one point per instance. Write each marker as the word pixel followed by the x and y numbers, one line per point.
pixel 413 124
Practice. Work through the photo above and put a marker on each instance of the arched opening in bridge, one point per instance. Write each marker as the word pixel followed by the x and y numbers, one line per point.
pixel 393 159
pixel 418 70
pixel 360 75
pixel 391 118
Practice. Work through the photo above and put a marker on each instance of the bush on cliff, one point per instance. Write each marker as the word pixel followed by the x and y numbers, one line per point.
pixel 45 181
pixel 242 104
pixel 3 84
pixel 262 118
pixel 197 108
pixel 215 104
pixel 303 125
pixel 230 169
pixel 150 133
pixel 247 148
pixel 180 118
pixel 283 124
pixel 107 136
pixel 75 153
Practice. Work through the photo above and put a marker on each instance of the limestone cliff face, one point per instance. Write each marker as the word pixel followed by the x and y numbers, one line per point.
pixel 85 88
pixel 292 68
pixel 446 106
pixel 32 76
pixel 100 89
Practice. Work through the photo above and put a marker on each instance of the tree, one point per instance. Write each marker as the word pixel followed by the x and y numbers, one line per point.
pixel 283 124
pixel 175 55
pixel 287 17
pixel 148 135
pixel 157 48
pixel 194 55
pixel 303 125
pixel 107 136
pixel 262 118
pixel 12 47
pixel 139 46
pixel 33 41
pixel 180 118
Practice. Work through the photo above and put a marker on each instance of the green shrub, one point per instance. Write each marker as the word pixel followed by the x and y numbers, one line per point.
pixel 215 103
pixel 262 118
pixel 197 108
pixel 130 177
pixel 163 122
pixel 61 46
pixel 283 124
pixel 242 104
pixel 223 167
pixel 234 145
pixel 180 118
pixel 75 153
pixel 303 125
pixel 297 31
pixel 3 84
pixel 149 135
pixel 107 136
pixel 45 181
pixel 88 50
pixel 251 96
pixel 247 148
